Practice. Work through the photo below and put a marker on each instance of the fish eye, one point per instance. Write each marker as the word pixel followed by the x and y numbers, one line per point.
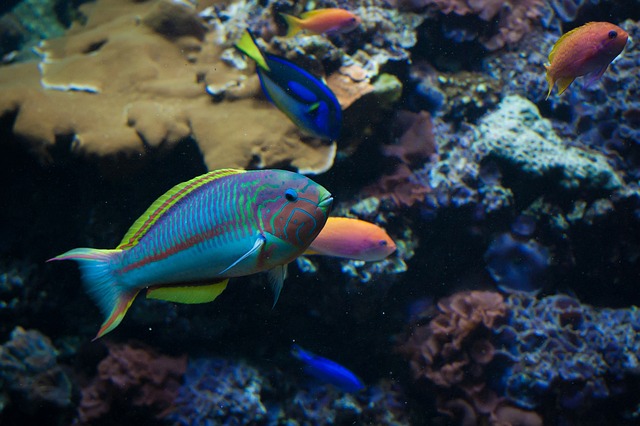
pixel 613 34
pixel 291 195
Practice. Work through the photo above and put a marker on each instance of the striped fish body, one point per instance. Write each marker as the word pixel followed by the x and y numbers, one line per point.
pixel 226 223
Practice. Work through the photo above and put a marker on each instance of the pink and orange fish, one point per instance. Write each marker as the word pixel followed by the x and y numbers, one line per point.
pixel 352 239
pixel 321 21
pixel 587 50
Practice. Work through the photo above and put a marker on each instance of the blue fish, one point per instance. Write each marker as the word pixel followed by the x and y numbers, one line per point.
pixel 305 99
pixel 327 371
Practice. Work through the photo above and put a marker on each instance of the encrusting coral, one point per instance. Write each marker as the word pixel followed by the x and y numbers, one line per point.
pixel 132 376
pixel 454 351
pixel 29 371
pixel 134 77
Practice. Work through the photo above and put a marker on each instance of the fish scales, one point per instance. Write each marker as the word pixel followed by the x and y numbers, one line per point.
pixel 205 221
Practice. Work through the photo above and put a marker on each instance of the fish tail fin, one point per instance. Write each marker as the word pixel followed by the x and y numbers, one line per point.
pixel 247 45
pixel 101 283
pixel 550 80
pixel 294 25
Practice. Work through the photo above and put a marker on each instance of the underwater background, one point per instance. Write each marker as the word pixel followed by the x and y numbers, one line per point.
pixel 511 298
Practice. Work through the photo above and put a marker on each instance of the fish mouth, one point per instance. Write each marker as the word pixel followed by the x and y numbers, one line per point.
pixel 326 203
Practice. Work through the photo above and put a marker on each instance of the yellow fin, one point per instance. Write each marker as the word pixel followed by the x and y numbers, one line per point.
pixel 294 25
pixel 189 294
pixel 247 45
pixel 563 83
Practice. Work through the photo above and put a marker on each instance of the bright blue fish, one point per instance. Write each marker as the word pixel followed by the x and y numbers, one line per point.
pixel 305 99
pixel 327 371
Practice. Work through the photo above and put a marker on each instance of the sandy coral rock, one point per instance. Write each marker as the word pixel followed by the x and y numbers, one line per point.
pixel 518 134
pixel 134 77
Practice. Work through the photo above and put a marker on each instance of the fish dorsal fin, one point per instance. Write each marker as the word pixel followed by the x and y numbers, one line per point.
pixel 165 202
pixel 563 38
pixel 189 294
pixel 312 13
pixel 247 45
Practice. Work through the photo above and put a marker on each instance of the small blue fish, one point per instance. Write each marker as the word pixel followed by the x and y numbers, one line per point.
pixel 305 99
pixel 327 371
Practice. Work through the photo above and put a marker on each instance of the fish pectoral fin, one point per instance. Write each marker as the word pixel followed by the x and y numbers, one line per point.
pixel 313 107
pixel 595 75
pixel 277 276
pixel 189 294
pixel 563 83
pixel 260 241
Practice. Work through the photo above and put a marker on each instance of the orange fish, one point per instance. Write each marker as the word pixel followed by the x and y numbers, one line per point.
pixel 352 239
pixel 331 21
pixel 586 50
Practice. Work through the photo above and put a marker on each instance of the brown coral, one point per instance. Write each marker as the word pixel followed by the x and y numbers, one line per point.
pixel 132 375
pixel 452 351
pixel 514 18
pixel 443 351
pixel 134 77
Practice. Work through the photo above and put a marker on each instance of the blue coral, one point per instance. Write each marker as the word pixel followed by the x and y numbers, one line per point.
pixel 556 344
pixel 220 392
pixel 30 372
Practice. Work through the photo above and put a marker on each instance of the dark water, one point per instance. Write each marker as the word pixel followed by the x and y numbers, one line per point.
pixel 510 299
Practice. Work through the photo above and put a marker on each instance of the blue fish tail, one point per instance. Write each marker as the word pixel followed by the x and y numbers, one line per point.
pixel 101 283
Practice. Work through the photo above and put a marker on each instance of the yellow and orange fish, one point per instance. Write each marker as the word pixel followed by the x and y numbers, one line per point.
pixel 352 239
pixel 320 21
pixel 586 50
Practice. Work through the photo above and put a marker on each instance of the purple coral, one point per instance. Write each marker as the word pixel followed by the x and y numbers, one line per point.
pixel 557 346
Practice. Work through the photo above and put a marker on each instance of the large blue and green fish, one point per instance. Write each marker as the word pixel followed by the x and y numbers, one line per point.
pixel 190 241
pixel 305 99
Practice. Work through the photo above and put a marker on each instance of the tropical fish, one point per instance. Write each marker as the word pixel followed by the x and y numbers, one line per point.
pixel 223 224
pixel 305 99
pixel 327 371
pixel 586 50
pixel 330 21
pixel 352 239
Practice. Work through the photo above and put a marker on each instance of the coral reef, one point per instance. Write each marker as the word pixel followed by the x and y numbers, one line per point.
pixel 558 346
pixel 442 351
pixel 133 78
pixel 217 391
pixel 517 265
pixel 513 138
pixel 132 376
pixel 30 376
pixel 457 97
pixel 513 18
pixel 382 404
pixel 454 351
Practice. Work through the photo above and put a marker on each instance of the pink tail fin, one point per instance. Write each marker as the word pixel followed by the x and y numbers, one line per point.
pixel 97 268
